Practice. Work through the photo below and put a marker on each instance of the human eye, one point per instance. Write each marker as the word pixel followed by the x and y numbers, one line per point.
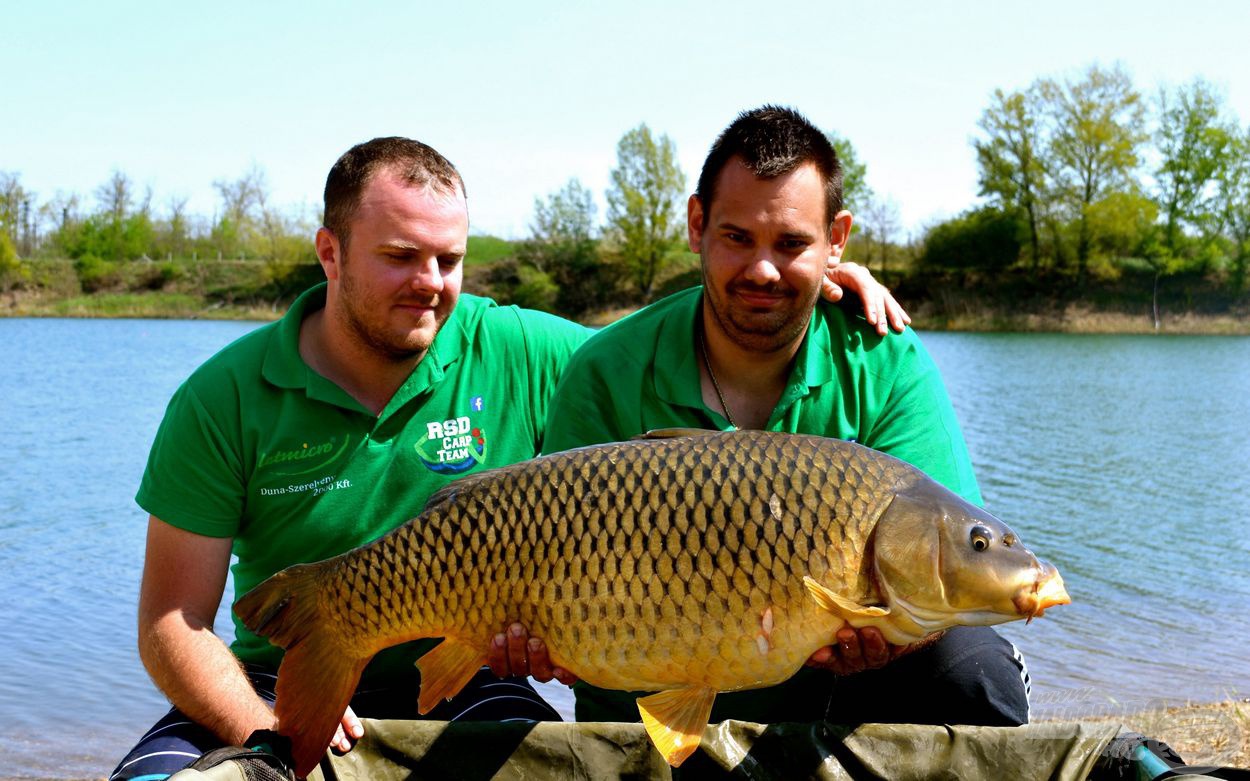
pixel 449 262
pixel 396 254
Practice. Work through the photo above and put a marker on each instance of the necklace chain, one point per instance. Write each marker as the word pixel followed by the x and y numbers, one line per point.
pixel 715 385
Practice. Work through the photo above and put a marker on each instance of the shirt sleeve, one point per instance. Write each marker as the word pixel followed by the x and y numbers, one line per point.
pixel 917 424
pixel 194 477
pixel 582 411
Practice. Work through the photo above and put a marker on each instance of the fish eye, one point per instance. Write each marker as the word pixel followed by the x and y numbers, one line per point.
pixel 981 538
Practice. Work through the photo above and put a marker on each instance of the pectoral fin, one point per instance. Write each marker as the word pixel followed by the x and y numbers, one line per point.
pixel 841 606
pixel 445 670
pixel 675 720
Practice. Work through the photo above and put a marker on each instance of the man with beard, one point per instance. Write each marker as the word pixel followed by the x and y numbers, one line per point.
pixel 325 430
pixel 755 347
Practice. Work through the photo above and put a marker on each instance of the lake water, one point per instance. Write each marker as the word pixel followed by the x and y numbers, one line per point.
pixel 1123 460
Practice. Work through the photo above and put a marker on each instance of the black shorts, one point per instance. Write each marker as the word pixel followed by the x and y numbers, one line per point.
pixel 175 741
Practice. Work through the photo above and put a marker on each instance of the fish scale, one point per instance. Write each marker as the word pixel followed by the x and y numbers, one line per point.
pixel 684 564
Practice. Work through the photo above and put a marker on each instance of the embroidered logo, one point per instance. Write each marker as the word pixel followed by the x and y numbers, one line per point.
pixel 451 447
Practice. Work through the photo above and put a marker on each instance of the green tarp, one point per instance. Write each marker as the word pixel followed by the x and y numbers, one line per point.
pixel 513 751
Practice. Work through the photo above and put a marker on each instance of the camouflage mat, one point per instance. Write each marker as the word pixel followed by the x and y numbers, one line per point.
pixel 395 750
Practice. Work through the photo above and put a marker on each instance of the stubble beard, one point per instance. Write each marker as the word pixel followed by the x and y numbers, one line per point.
pixel 760 332
pixel 374 335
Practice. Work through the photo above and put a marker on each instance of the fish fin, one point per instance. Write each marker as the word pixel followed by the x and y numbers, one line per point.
pixel 317 675
pixel 840 605
pixel 672 433
pixel 676 719
pixel 445 670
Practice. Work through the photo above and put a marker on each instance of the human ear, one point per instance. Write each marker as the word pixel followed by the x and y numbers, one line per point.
pixel 840 233
pixel 328 252
pixel 694 223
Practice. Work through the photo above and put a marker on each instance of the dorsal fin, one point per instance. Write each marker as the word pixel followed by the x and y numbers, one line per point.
pixel 465 483
pixel 671 433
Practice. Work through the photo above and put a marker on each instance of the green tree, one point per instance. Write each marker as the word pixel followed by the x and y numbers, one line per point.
pixel 562 248
pixel 1234 200
pixel 984 240
pixel 10 265
pixel 567 215
pixel 117 231
pixel 880 221
pixel 1196 146
pixel 1097 129
pixel 1121 224
pixel 174 234
pixel 238 228
pixel 115 196
pixel 1009 158
pixel 644 198
pixel 855 190
pixel 14 209
pixel 62 214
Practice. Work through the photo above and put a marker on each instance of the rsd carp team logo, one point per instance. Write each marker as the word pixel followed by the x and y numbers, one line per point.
pixel 450 447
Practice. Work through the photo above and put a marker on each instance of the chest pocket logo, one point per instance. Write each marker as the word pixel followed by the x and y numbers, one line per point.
pixel 451 447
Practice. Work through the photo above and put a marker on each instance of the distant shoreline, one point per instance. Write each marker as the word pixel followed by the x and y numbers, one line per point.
pixel 1076 318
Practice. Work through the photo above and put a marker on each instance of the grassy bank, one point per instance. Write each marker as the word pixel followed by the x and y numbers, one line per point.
pixel 1075 318
pixel 180 306
pixel 261 290
pixel 1079 318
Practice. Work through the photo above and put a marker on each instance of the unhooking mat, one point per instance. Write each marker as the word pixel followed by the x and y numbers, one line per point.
pixel 516 751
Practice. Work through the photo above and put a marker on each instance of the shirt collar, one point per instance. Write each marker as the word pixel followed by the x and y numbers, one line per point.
pixel 283 365
pixel 677 357
pixel 285 368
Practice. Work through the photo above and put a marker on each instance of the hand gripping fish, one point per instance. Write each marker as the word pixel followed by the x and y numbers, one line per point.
pixel 687 563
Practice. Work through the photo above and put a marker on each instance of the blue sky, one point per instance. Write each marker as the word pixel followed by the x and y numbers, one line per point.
pixel 522 96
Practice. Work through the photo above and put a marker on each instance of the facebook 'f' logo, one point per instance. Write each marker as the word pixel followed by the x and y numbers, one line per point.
pixel 475 403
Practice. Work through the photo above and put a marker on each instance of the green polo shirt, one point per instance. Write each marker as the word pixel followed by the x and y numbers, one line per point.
pixel 258 447
pixel 848 382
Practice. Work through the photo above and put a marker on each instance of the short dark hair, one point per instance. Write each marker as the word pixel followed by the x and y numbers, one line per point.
pixel 773 141
pixel 419 164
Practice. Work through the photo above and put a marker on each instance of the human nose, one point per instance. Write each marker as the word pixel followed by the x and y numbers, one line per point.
pixel 427 276
pixel 763 271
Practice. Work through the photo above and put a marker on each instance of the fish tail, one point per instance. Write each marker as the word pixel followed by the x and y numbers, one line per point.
pixel 318 673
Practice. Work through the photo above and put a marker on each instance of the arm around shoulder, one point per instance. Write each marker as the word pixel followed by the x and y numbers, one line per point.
pixel 184 576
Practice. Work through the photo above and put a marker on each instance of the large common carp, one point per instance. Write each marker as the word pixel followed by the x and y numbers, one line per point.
pixel 686 563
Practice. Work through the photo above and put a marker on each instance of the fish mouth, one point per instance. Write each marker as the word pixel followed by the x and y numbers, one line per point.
pixel 1046 591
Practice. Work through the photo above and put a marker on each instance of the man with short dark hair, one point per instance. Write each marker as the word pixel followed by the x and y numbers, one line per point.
pixel 755 348
pixel 326 429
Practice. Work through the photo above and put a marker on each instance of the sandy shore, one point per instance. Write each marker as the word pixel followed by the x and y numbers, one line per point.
pixel 1203 734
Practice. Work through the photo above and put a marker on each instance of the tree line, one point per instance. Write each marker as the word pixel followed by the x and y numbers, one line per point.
pixel 1084 180
pixel 1087 179
pixel 120 224
pixel 1087 185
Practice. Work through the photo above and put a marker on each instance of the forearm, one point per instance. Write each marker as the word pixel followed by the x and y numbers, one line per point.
pixel 202 678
